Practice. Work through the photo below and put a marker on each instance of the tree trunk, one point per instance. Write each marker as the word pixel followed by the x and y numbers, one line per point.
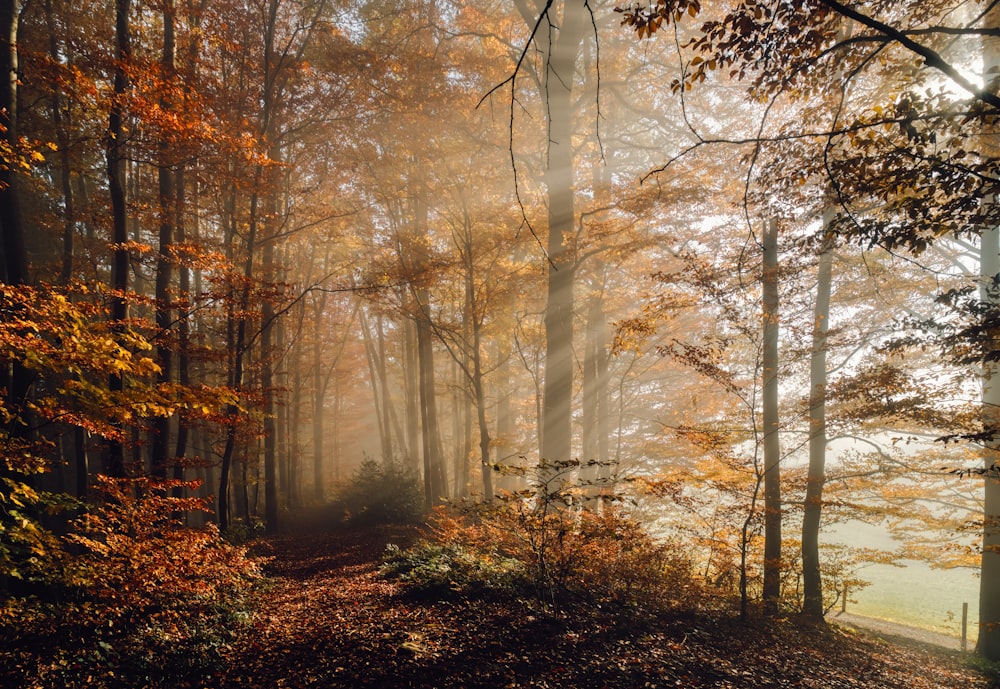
pixel 378 390
pixel 505 424
pixel 164 262
pixel 116 160
pixel 460 445
pixel 595 395
pixel 183 332
pixel 56 53
pixel 236 325
pixel 989 283
pixel 989 579
pixel 411 388
pixel 478 384
pixel 812 580
pixel 772 447
pixel 384 396
pixel 319 400
pixel 558 385
pixel 434 484
pixel 268 389
pixel 293 442
pixel 15 256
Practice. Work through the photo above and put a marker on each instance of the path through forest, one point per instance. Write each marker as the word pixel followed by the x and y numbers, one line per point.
pixel 894 630
pixel 329 621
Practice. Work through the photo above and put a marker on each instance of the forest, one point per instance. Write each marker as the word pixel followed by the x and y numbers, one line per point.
pixel 410 343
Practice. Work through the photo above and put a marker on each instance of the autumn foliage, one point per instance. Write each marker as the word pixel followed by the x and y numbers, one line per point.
pixel 546 544
pixel 134 598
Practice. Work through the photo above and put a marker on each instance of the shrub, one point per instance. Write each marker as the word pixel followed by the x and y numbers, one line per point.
pixel 383 494
pixel 442 570
pixel 531 544
pixel 139 599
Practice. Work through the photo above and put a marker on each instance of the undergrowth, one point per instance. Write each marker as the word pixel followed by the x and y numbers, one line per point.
pixel 135 598
pixel 550 544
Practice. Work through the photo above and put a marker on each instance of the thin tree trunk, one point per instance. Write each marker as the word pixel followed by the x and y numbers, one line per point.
pixel 293 441
pixel 384 396
pixel 237 326
pixel 411 391
pixel 434 487
pixel 378 390
pixel 56 53
pixel 772 447
pixel 338 408
pixel 478 388
pixel 812 580
pixel 460 456
pixel 116 160
pixel 505 425
pixel 319 400
pixel 165 259
pixel 268 389
pixel 183 331
pixel 184 272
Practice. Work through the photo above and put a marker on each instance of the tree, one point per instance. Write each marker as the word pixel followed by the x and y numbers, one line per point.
pixel 769 408
pixel 812 581
pixel 906 169
pixel 560 38
pixel 116 168
pixel 15 264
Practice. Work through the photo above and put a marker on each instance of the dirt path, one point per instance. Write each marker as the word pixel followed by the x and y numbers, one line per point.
pixel 328 620
pixel 893 631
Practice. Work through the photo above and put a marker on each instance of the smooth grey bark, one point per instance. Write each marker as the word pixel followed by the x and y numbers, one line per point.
pixel 812 579
pixel 563 51
pixel 988 644
pixel 989 579
pixel 772 446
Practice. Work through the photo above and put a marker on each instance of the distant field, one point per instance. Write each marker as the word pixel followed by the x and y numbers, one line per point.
pixel 913 594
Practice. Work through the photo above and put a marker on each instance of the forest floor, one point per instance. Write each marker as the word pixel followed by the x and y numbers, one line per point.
pixel 328 620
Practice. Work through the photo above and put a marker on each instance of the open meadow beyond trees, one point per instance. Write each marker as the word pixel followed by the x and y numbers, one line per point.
pixel 557 343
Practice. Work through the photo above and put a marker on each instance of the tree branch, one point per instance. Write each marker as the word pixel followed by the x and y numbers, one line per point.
pixel 931 57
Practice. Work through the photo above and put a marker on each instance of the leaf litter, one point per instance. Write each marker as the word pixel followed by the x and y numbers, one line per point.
pixel 328 620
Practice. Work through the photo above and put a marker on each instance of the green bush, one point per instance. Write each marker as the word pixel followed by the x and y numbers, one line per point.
pixel 443 570
pixel 383 494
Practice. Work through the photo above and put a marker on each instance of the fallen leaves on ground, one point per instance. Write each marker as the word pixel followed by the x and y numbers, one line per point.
pixel 329 621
